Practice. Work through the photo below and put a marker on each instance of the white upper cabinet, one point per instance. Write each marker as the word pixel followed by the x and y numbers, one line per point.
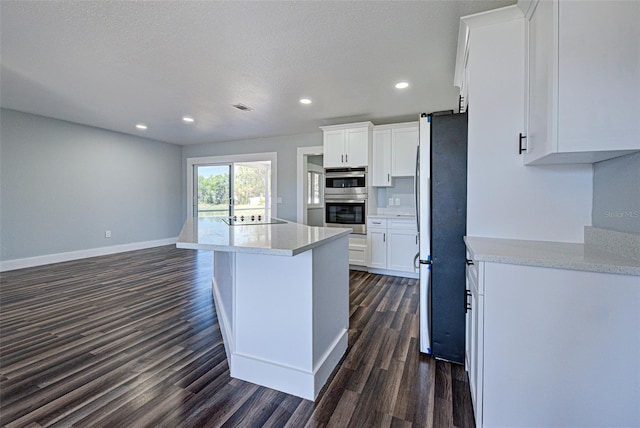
pixel 404 144
pixel 394 152
pixel 347 145
pixel 380 171
pixel 583 68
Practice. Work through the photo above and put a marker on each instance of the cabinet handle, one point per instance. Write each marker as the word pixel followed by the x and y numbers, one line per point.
pixel 346 158
pixel 469 262
pixel 388 177
pixel 384 237
pixel 416 239
pixel 520 149
pixel 342 158
pixel 467 305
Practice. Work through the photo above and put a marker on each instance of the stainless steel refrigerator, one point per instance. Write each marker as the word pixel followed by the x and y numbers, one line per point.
pixel 441 203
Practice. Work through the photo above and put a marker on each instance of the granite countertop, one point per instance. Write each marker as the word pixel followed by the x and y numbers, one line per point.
pixel 288 239
pixel 560 255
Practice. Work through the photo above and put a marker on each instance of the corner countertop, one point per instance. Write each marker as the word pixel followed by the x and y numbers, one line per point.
pixel 287 239
pixel 560 255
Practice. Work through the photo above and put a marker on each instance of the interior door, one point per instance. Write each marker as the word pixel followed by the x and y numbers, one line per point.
pixel 213 188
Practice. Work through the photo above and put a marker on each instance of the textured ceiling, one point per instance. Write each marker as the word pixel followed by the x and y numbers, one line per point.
pixel 112 64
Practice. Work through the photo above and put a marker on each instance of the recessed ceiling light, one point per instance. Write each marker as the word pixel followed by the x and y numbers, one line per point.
pixel 402 85
pixel 141 126
pixel 305 101
pixel 187 119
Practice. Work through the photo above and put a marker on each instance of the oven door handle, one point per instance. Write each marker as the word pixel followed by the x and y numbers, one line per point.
pixel 345 201
pixel 345 174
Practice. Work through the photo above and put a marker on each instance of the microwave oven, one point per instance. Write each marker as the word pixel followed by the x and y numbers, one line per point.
pixel 345 181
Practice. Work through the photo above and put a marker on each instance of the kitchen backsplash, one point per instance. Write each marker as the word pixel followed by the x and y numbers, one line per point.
pixel 398 199
pixel 616 194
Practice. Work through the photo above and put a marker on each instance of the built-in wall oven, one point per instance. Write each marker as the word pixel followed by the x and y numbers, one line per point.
pixel 346 198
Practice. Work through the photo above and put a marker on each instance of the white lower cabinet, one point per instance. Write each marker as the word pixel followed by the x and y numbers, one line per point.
pixel 552 347
pixel 358 250
pixel 402 245
pixel 377 239
pixel 393 244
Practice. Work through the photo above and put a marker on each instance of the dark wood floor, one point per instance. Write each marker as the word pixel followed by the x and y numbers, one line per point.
pixel 133 340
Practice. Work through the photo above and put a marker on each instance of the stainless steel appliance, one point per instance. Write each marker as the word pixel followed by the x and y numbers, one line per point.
pixel 346 212
pixel 345 200
pixel 441 201
pixel 345 181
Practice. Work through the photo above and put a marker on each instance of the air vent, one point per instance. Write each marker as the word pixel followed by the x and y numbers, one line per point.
pixel 242 107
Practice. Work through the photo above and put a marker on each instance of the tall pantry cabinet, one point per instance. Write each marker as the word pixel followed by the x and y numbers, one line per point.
pixel 505 198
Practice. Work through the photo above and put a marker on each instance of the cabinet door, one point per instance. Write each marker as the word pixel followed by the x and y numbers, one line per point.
pixel 561 347
pixel 468 327
pixel 473 341
pixel 377 241
pixel 404 143
pixel 402 249
pixel 598 76
pixel 334 142
pixel 476 381
pixel 542 95
pixel 381 163
pixel 357 147
pixel 584 80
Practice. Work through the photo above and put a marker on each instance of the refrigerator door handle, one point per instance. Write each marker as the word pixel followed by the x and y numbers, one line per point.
pixel 416 186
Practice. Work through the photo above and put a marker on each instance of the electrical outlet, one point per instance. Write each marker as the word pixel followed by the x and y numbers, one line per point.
pixel 107 234
pixel 398 201
pixel 390 202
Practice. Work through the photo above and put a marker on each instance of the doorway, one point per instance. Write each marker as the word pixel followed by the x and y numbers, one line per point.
pixel 227 186
pixel 310 193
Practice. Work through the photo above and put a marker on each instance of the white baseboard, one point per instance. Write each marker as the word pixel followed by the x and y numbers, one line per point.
pixel 47 259
pixel 292 380
pixel 329 361
pixel 224 321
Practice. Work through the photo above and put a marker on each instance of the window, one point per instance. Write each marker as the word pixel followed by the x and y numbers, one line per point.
pixel 314 188
pixel 229 185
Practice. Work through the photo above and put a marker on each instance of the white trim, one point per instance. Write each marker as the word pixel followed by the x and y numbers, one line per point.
pixel 329 361
pixel 223 319
pixel 248 157
pixel 292 380
pixel 400 273
pixel 47 259
pixel 301 179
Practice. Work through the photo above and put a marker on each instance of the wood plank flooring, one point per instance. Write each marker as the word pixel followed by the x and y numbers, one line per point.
pixel 132 340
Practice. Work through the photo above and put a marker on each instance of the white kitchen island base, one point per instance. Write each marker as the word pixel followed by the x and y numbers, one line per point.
pixel 281 319
pixel 283 312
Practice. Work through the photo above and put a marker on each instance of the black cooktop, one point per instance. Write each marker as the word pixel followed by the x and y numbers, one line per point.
pixel 243 220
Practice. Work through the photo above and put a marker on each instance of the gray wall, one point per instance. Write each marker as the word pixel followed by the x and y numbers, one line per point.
pixel 62 185
pixel 285 146
pixel 616 194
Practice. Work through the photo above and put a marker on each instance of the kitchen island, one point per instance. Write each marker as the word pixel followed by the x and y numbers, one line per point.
pixel 281 293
